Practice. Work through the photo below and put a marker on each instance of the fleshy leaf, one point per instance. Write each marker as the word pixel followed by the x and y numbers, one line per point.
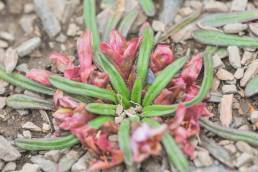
pixel 218 38
pixel 252 87
pixel 98 122
pixel 101 109
pixel 148 7
pixel 127 22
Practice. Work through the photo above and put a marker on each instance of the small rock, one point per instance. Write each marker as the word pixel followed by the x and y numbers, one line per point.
pixel 28 8
pixel 82 165
pixel 197 5
pixel 254 28
pixel 2 102
pixel 215 84
pixel 23 67
pixel 229 89
pixel 26 22
pixel 254 116
pixel 215 6
pixel 226 110
pixel 215 97
pixel 7 151
pixel 243 158
pixel 30 168
pixel 225 75
pixel 158 26
pixel 31 126
pixel 12 60
pixel 72 29
pixel 239 73
pixel 28 46
pixel 231 148
pixel 3 44
pixel 244 147
pixel 22 112
pixel 185 11
pixel 204 158
pixel 53 155
pixel 247 57
pixel 249 73
pixel 26 134
pixel 235 28
pixel 10 166
pixel 234 56
pixel 45 165
pixel 46 127
pixel 7 36
pixel 68 160
pixel 2 6
pixel 217 62
pixel 49 21
pixel 14 7
pixel 238 5
pixel 61 38
pixel 222 53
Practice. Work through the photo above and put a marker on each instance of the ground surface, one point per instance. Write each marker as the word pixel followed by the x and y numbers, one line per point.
pixel 20 23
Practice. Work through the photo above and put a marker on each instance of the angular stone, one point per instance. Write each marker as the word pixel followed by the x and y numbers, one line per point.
pixel 242 159
pixel 3 44
pixel 14 7
pixel 215 6
pixel 7 36
pixel 26 22
pixel 234 56
pixel 158 26
pixel 254 28
pixel 239 73
pixel 249 73
pixel 10 166
pixel 2 102
pixel 72 29
pixel 2 6
pixel 229 89
pixel 45 165
pixel 30 168
pixel 49 21
pixel 12 60
pixel 82 165
pixel 238 5
pixel 68 160
pixel 28 8
pixel 247 57
pixel 226 110
pixel 28 46
pixel 31 126
pixel 225 75
pixel 244 147
pixel 235 28
pixel 7 151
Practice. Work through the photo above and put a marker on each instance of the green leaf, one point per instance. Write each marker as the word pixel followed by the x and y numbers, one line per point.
pixel 162 80
pixel 98 122
pixel 101 109
pixel 148 7
pixel 160 110
pixel 89 14
pixel 21 101
pixel 124 141
pixel 218 38
pixel 25 83
pixel 115 78
pixel 252 87
pixel 177 27
pixel 47 143
pixel 111 24
pixel 229 133
pixel 81 89
pixel 142 64
pixel 127 22
pixel 175 155
pixel 220 19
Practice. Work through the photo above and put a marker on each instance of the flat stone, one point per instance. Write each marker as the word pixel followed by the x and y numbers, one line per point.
pixel 28 167
pixel 2 6
pixel 1 164
pixel 185 11
pixel 215 97
pixel 44 164
pixel 215 84
pixel 254 28
pixel 215 6
pixel 53 155
pixel 239 73
pixel 26 134
pixel 28 8
pixel 224 75
pixel 243 158
pixel 235 28
pixel 3 44
pixel 238 5
pixel 68 160
pixel 7 151
pixel 82 165
pixel 229 89
pixel 158 26
pixel 231 148
pixel 217 62
pixel 10 166
pixel 244 147
pixel 49 21
pixel 72 29
pixel 26 22
pixel 197 5
pixel 31 126
pixel 2 102
pixel 234 56
pixel 254 116
pixel 226 110
pixel 61 38
pixel 204 158
pixel 12 60
pixel 14 7
pixel 28 46
pixel 247 57
pixel 249 73
pixel 7 36
pixel 46 127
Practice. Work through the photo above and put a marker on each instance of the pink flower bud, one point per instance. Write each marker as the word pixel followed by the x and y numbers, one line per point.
pixel 62 61
pixel 39 75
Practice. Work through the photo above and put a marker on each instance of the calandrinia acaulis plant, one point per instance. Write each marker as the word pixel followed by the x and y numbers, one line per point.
pixel 125 118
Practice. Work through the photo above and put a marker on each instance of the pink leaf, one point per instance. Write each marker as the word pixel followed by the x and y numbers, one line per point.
pixel 73 73
pixel 39 75
pixel 64 101
pixel 99 79
pixel 161 57
pixel 62 61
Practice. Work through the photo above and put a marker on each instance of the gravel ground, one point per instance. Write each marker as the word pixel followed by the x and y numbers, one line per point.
pixel 31 30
